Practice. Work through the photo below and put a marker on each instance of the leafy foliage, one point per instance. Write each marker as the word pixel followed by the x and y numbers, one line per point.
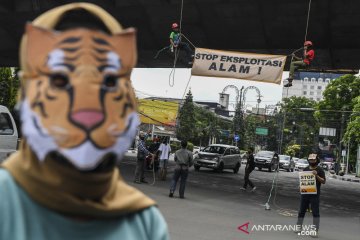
pixel 353 128
pixel 293 150
pixel 300 127
pixel 186 123
pixel 9 84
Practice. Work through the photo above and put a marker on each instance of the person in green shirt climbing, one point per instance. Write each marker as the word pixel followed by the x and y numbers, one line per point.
pixel 177 43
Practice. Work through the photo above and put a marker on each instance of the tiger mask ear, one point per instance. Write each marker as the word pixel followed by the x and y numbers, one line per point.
pixel 125 45
pixel 39 42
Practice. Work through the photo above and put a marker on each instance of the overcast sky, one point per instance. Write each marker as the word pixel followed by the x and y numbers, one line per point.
pixel 156 82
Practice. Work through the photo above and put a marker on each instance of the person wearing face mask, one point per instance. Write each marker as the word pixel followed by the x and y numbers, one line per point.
pixel 312 199
pixel 79 116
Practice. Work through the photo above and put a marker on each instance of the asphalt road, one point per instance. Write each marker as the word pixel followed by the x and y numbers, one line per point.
pixel 215 206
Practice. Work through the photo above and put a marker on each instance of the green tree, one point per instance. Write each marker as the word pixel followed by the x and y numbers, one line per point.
pixel 238 125
pixel 208 125
pixel 353 129
pixel 250 124
pixel 300 127
pixel 352 134
pixel 339 97
pixel 186 121
pixel 293 150
pixel 9 84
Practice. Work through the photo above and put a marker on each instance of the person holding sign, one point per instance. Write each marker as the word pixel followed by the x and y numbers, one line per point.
pixel 309 55
pixel 310 182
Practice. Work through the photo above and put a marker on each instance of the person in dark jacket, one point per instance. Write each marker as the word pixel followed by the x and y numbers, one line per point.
pixel 250 166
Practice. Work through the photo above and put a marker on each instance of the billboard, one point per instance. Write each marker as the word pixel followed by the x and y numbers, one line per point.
pixel 158 112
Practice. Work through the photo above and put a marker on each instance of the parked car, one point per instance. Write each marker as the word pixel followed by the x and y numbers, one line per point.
pixel 286 162
pixel 8 133
pixel 267 159
pixel 218 157
pixel 295 159
pixel 301 164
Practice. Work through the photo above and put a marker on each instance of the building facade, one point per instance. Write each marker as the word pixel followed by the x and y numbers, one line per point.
pixel 310 84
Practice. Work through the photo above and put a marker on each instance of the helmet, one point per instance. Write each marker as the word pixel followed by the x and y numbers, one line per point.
pixel 174 25
pixel 308 43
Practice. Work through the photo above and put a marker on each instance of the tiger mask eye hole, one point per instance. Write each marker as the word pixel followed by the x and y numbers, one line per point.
pixel 59 80
pixel 110 81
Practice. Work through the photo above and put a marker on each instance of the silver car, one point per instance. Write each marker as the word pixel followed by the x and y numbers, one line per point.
pixel 287 163
pixel 218 157
pixel 301 164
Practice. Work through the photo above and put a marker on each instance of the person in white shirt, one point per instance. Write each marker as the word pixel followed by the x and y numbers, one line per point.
pixel 165 150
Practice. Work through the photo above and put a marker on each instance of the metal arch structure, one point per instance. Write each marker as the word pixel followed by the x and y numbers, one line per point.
pixel 236 90
pixel 245 91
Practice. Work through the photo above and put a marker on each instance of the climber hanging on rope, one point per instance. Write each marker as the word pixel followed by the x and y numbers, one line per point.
pixel 176 43
pixel 304 62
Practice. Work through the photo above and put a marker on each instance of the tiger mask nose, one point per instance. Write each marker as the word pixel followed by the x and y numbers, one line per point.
pixel 87 118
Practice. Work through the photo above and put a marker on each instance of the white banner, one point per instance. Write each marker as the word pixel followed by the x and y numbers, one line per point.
pixel 249 66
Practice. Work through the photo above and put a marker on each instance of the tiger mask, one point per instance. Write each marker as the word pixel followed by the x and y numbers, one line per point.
pixel 77 94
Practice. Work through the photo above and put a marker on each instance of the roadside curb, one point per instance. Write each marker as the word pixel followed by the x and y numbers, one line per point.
pixel 357 180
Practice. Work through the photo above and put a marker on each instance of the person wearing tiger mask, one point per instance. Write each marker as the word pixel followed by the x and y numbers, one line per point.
pixel 78 114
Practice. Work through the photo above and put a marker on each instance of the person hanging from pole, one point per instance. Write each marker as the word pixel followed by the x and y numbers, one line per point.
pixel 308 57
pixel 176 43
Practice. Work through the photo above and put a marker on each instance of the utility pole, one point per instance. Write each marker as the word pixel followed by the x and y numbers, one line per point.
pixel 341 134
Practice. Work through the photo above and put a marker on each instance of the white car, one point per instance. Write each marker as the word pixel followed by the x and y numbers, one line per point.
pixel 218 157
pixel 301 164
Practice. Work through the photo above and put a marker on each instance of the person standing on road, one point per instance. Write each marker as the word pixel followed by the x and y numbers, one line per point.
pixel 165 150
pixel 250 166
pixel 141 156
pixel 184 160
pixel 312 199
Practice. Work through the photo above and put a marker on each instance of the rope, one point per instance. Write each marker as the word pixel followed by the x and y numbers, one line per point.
pixel 172 81
pixel 278 167
pixel 188 41
pixel 186 87
pixel 272 185
pixel 307 21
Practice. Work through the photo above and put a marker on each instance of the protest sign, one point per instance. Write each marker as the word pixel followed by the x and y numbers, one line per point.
pixel 249 66
pixel 307 183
